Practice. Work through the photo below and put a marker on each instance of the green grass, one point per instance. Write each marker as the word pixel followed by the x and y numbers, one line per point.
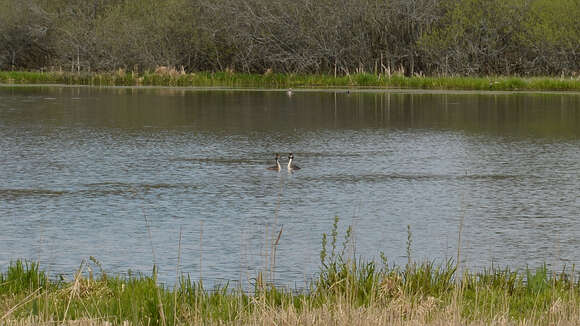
pixel 275 80
pixel 418 292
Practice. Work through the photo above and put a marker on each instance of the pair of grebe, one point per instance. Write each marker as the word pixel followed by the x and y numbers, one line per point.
pixel 291 166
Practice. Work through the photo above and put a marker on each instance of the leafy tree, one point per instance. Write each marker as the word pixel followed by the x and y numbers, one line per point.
pixel 467 37
pixel 553 37
pixel 476 37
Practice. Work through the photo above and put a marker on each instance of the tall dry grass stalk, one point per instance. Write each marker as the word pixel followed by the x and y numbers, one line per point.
pixel 177 275
pixel 157 289
pixel 272 238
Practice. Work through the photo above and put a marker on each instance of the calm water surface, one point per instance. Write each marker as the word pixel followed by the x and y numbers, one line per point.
pixel 91 172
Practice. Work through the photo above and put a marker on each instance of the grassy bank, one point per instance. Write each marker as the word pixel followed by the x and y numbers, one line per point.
pixel 348 291
pixel 365 292
pixel 274 80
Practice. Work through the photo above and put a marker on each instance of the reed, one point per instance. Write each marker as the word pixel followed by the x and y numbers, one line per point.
pixel 348 290
pixel 174 78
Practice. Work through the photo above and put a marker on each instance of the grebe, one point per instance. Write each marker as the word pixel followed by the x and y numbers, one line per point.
pixel 277 166
pixel 290 165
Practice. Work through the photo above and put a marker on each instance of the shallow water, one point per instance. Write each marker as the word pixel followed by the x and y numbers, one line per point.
pixel 120 173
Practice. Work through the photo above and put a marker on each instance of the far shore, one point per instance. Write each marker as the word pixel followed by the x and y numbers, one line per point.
pixel 300 82
pixel 336 89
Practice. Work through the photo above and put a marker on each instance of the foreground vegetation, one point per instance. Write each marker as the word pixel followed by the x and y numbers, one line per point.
pixel 348 291
pixel 444 37
pixel 271 80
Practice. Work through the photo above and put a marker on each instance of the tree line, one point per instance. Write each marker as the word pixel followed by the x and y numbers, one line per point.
pixel 431 37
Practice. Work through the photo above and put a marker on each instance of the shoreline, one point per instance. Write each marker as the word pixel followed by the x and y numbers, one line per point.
pixel 243 81
pixel 347 288
pixel 426 294
pixel 352 90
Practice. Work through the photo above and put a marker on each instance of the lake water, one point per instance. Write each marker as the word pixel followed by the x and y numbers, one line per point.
pixel 120 173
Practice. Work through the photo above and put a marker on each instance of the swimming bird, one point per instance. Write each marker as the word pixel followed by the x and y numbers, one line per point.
pixel 277 166
pixel 291 166
pixel 289 92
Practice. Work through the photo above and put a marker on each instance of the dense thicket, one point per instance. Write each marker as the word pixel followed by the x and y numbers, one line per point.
pixel 466 37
